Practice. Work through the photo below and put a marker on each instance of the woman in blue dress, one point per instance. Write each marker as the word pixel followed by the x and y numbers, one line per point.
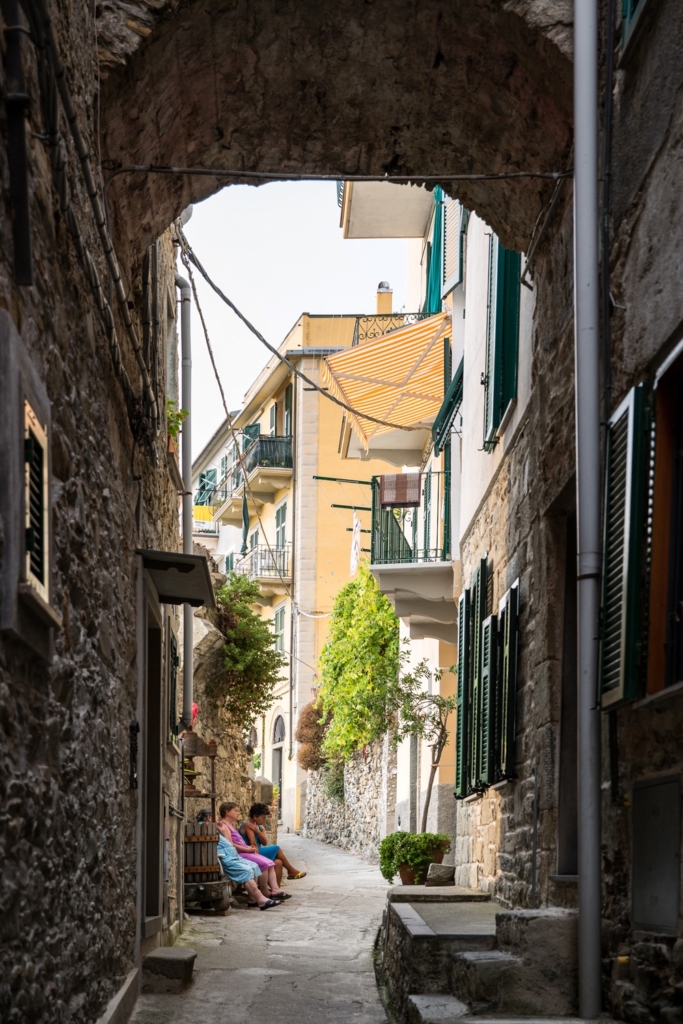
pixel 245 871
pixel 254 832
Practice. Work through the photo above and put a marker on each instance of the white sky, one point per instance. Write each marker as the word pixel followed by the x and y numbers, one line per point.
pixel 277 251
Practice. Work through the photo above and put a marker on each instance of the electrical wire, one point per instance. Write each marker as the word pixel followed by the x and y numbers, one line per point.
pixel 397 179
pixel 190 254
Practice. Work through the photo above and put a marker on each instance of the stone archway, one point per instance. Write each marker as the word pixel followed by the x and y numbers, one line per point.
pixel 361 86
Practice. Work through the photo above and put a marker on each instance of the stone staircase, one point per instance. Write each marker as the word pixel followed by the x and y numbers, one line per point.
pixel 449 961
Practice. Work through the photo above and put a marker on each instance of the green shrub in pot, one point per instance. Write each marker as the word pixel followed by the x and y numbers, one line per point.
pixel 415 851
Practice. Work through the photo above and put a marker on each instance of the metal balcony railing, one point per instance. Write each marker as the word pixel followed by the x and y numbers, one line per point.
pixel 262 562
pixel 420 534
pixel 207 529
pixel 264 452
pixel 376 326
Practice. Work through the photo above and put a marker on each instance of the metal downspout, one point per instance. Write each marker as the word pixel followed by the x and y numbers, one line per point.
pixel 186 465
pixel 293 630
pixel 586 334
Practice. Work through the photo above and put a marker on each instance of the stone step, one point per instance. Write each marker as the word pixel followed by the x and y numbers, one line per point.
pixel 168 969
pixel 434 1009
pixel 435 894
pixel 546 940
pixel 482 978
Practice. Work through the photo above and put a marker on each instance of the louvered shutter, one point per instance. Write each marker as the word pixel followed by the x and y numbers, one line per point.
pixel 487 719
pixel 508 616
pixel 478 614
pixel 463 698
pixel 621 649
pixel 427 515
pixel 273 420
pixel 451 247
pixel 502 337
pixel 288 410
pixel 250 434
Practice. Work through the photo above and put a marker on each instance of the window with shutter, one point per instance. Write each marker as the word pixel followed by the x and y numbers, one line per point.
pixel 273 419
pixel 279 628
pixel 434 255
pixel 462 711
pixel 224 467
pixel 487 727
pixel 208 480
pixel 35 503
pixel 281 526
pixel 173 663
pixel 622 579
pixel 478 614
pixel 456 217
pixel 288 410
pixel 250 434
pixel 427 514
pixel 502 337
pixel 506 688
pixel 253 540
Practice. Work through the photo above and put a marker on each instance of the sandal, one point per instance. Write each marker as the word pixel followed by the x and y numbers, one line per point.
pixel 268 904
pixel 280 895
pixel 299 874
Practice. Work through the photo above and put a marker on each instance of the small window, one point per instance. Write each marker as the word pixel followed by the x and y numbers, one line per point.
pixel 37 547
pixel 224 467
pixel 208 480
pixel 281 526
pixel 253 540
pixel 502 337
pixel 279 730
pixel 279 628
pixel 273 419
pixel 456 217
pixel 289 392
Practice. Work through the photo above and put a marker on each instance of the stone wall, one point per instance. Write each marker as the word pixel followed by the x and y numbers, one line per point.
pixel 362 820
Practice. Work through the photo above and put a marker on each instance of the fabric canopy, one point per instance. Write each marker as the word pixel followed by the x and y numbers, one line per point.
pixel 398 377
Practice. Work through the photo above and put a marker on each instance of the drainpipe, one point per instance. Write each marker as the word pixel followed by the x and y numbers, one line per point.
pixel 586 335
pixel 186 466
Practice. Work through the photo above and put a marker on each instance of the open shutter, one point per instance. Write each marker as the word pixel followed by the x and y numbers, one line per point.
pixel 621 649
pixel 478 614
pixel 206 487
pixel 288 410
pixel 508 615
pixel 250 434
pixel 487 719
pixel 463 701
pixel 502 337
pixel 273 420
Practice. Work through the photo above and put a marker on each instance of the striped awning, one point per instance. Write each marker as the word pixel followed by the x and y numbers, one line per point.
pixel 398 377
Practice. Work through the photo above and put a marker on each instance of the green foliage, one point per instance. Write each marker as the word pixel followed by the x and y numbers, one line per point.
pixel 256 760
pixel 359 665
pixel 417 851
pixel 310 733
pixel 252 665
pixel 175 418
pixel 333 781
pixel 419 712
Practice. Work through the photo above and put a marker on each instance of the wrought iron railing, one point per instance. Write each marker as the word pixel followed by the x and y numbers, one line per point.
pixel 262 562
pixel 205 527
pixel 369 327
pixel 420 534
pixel 264 452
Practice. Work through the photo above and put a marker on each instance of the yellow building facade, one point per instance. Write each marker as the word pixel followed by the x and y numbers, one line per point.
pixel 300 502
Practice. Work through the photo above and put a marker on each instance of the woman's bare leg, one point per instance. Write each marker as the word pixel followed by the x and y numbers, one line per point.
pixel 253 890
pixel 285 862
pixel 278 872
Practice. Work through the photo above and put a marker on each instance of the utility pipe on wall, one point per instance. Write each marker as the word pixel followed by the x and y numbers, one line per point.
pixel 586 335
pixel 186 466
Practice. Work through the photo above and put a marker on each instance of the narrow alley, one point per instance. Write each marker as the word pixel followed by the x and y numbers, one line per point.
pixel 309 960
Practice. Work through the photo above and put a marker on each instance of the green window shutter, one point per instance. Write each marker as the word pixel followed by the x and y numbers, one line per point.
pixel 464 221
pixel 432 303
pixel 288 410
pixel 279 628
pixel 477 616
pixel 250 434
pixel 427 514
pixel 502 337
pixel 224 466
pixel 443 424
pixel 273 419
pixel 206 486
pixel 487 719
pixel 173 663
pixel 621 650
pixel 230 562
pixel 281 526
pixel 34 456
pixel 508 617
pixel 463 698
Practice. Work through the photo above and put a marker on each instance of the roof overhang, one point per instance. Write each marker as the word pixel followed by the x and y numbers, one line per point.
pixel 179 578
pixel 383 209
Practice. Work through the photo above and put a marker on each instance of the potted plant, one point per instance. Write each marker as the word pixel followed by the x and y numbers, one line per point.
pixel 409 855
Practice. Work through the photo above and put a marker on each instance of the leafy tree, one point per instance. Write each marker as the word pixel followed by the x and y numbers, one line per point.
pixel 252 665
pixel 359 666
pixel 422 714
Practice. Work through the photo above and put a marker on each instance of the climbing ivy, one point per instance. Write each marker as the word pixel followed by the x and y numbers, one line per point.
pixel 252 666
pixel 359 665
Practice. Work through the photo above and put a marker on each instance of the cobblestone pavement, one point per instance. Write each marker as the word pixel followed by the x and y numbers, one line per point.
pixel 309 960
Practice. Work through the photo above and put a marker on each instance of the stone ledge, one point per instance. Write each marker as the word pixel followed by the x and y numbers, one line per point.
pixel 435 894
pixel 120 1007
pixel 168 969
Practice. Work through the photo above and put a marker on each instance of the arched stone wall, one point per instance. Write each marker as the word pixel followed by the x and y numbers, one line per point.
pixel 357 87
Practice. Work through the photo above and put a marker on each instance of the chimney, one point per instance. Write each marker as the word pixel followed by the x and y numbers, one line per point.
pixel 384 297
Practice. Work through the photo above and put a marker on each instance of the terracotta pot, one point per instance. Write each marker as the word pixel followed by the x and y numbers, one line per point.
pixel 408 875
pixel 171 446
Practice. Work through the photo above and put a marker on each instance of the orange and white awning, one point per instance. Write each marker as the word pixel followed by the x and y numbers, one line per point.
pixel 398 378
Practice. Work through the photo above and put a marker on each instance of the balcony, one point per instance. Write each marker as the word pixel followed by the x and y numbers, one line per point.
pixel 411 557
pixel 270 567
pixel 267 463
pixel 377 325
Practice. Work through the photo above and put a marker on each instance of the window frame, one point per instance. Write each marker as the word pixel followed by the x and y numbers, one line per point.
pixel 502 338
pixel 281 527
pixel 279 612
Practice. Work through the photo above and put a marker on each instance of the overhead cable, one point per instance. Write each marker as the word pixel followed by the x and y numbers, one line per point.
pixel 189 253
